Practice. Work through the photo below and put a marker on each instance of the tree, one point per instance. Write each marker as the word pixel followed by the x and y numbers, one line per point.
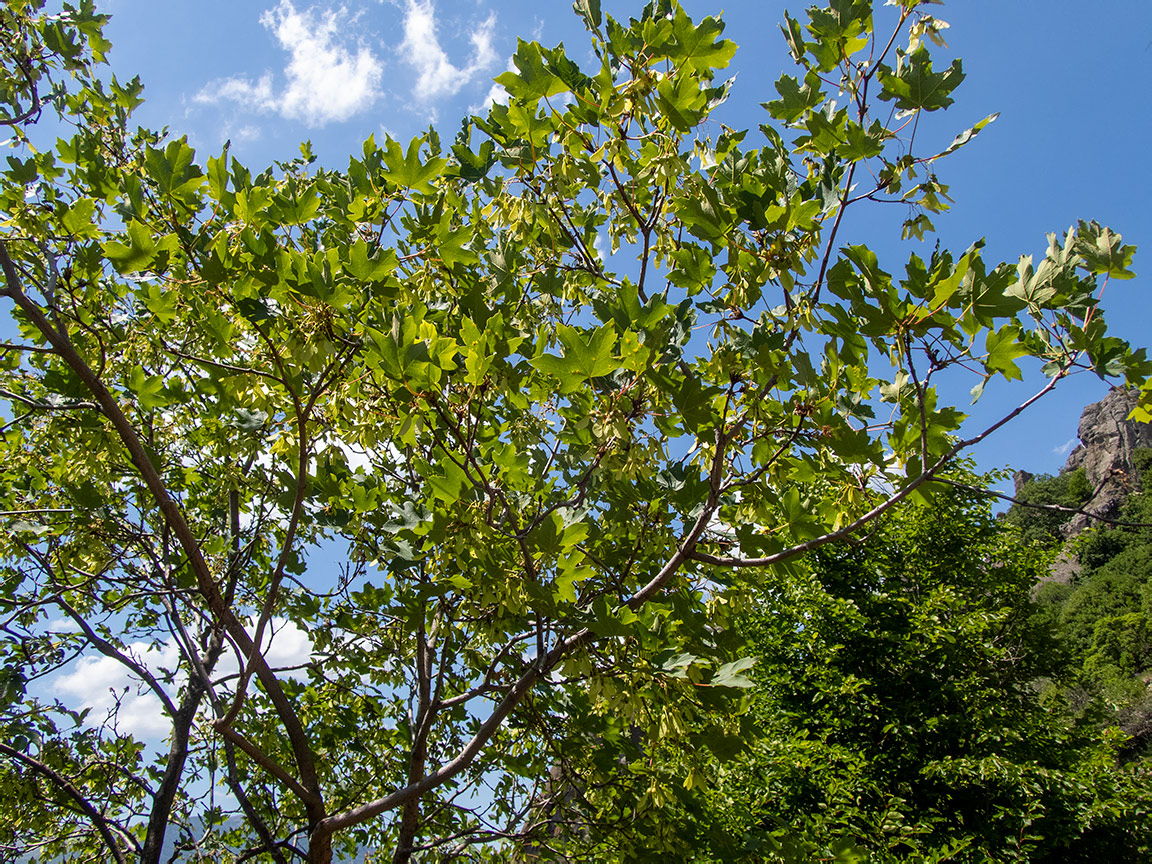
pixel 895 716
pixel 1103 615
pixel 1043 526
pixel 538 474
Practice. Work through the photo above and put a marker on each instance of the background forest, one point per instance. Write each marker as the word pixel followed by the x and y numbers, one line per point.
pixel 568 487
pixel 958 686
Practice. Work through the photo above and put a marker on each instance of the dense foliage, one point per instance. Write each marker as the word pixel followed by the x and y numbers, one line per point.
pixel 897 716
pixel 1038 525
pixel 1102 617
pixel 550 486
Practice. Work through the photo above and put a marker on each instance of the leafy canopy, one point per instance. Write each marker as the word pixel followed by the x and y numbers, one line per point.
pixel 894 715
pixel 500 483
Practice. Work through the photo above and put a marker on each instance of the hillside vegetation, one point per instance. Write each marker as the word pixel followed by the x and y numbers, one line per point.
pixel 1101 615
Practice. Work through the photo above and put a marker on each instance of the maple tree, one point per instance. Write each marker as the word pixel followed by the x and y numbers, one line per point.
pixel 541 479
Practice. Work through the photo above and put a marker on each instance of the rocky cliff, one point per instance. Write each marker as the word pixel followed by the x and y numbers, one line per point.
pixel 1105 455
pixel 1107 441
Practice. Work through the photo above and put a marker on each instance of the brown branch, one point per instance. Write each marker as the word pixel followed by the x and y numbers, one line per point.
pixel 173 515
pixel 101 824
pixel 645 226
pixel 265 761
pixel 1052 508
pixel 303 415
pixel 881 508
pixel 25 66
pixel 835 230
pixel 421 726
pixel 906 345
pixel 48 406
pixel 470 751
pixel 36 349
pixel 109 650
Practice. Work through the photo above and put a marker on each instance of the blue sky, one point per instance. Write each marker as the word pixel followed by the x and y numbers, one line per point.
pixel 1069 79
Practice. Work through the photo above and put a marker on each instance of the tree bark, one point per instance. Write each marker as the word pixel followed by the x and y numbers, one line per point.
pixel 160 816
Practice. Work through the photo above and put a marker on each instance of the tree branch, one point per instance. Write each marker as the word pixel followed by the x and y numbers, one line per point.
pixel 880 509
pixel 172 513
pixel 99 822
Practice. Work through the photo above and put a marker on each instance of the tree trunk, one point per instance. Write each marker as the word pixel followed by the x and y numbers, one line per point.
pixel 409 822
pixel 160 816
pixel 320 846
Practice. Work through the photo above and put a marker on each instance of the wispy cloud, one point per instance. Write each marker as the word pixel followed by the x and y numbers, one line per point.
pixel 1065 447
pixel 598 246
pixel 102 684
pixel 105 685
pixel 436 76
pixel 496 95
pixel 326 80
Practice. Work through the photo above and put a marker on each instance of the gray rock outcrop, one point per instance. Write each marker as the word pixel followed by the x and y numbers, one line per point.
pixel 1107 439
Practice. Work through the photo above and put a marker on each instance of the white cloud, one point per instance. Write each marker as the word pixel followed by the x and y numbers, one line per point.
pixel 97 682
pixel 1065 447
pixel 436 76
pixel 326 81
pixel 259 95
pixel 290 646
pixel 598 247
pixel 245 133
pixel 496 95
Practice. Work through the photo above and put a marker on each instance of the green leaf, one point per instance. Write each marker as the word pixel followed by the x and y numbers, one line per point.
pixel 370 269
pixel 22 171
pixel 534 81
pixel 474 166
pixel 677 665
pixel 967 135
pixel 566 582
pixel 841 29
pixel 732 674
pixel 609 622
pixel 78 220
pixel 914 86
pixel 796 99
pixel 258 309
pixel 411 369
pixel 451 484
pixel 23 526
pixel 583 358
pixel 218 175
pixel 1143 410
pixel 161 301
pixel 682 101
pixel 248 420
pixel 406 169
pixel 917 226
pixel 149 389
pixel 794 36
pixel 1003 347
pixel 845 851
pixel 1102 251
pixel 861 143
pixel 173 170
pixel 698 46
pixel 825 133
pixel 703 214
pixel 589 11
pixel 297 209
pixel 140 252
pixel 724 747
pixel 128 96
